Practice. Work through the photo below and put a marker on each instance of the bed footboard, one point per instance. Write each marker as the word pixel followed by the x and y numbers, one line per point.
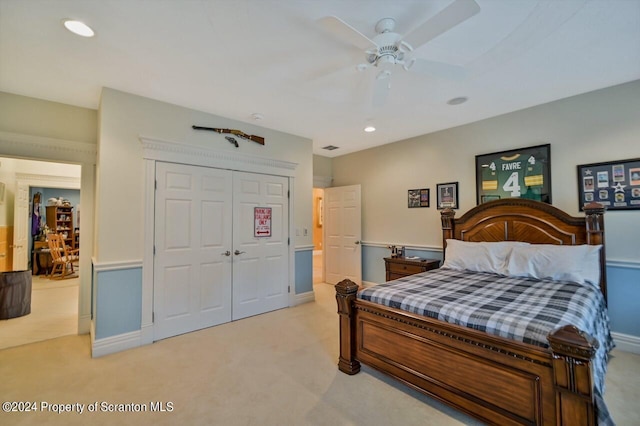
pixel 345 296
pixel 490 378
pixel 572 354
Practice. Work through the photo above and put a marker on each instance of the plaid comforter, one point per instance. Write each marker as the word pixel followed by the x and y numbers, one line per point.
pixel 520 309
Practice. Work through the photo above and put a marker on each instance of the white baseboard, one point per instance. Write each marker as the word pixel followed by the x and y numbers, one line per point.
pixel 626 342
pixel 366 284
pixel 84 324
pixel 113 344
pixel 301 298
pixel 146 334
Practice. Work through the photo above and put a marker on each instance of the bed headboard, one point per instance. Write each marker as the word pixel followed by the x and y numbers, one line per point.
pixel 517 219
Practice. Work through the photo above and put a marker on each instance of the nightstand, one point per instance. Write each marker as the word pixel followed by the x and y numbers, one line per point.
pixel 398 267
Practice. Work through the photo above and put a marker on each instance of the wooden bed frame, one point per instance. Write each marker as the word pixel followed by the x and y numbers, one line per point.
pixel 496 380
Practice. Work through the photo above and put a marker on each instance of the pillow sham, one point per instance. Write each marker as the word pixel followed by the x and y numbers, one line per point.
pixel 479 256
pixel 579 264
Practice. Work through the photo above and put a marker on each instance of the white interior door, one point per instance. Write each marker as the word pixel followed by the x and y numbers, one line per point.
pixel 343 234
pixel 21 228
pixel 261 258
pixel 193 243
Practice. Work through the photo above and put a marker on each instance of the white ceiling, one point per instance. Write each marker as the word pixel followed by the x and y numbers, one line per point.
pixel 237 57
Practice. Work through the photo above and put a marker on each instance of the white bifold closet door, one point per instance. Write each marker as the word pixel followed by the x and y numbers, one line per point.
pixel 209 267
pixel 260 264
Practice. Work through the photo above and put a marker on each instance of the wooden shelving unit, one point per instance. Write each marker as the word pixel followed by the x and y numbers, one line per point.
pixel 60 220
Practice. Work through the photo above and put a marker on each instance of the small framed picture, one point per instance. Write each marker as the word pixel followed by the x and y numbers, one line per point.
pixel 418 198
pixel 447 195
pixel 614 184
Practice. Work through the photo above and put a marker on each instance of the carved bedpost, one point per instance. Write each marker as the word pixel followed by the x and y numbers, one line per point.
pixel 446 217
pixel 594 222
pixel 345 296
pixel 573 352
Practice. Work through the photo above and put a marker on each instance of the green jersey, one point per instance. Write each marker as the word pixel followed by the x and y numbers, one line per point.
pixel 514 177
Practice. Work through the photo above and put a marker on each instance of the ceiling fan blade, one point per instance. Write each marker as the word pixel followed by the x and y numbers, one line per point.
pixel 438 69
pixel 346 32
pixel 447 18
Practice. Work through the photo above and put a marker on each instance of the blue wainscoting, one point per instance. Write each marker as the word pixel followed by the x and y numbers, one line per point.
pixel 623 291
pixel 117 301
pixel 304 270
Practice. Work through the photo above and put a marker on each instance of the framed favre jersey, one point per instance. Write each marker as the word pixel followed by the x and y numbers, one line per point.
pixel 517 173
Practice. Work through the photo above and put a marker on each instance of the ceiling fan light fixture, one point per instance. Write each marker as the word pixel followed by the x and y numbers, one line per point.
pixel 78 28
pixel 369 128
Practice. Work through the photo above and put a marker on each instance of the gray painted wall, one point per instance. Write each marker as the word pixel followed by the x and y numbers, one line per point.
pixel 603 125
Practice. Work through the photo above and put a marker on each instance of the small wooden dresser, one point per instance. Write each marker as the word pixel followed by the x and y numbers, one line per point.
pixel 398 267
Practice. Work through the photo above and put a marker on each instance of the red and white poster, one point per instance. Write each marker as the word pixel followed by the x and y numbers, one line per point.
pixel 262 220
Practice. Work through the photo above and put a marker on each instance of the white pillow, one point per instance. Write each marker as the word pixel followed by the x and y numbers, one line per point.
pixel 579 264
pixel 478 257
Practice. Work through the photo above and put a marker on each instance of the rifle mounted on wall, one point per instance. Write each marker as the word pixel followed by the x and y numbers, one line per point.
pixel 238 133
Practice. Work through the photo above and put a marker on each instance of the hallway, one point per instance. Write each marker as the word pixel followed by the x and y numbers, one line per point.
pixel 317 266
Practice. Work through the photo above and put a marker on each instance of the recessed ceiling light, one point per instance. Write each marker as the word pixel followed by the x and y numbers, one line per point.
pixel 369 129
pixel 330 147
pixel 458 101
pixel 257 116
pixel 79 28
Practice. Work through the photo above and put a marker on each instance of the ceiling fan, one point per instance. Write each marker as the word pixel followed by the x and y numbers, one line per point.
pixel 389 50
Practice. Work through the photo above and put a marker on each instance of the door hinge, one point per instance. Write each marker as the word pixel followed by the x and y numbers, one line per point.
pixel 153 317
pixel 155 184
pixel 289 241
pixel 288 289
pixel 154 250
pixel 288 194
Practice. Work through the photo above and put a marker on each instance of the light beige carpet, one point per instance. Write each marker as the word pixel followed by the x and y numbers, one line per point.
pixel 272 369
pixel 54 313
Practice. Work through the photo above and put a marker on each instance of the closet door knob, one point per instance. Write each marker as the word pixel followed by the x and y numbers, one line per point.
pixel 226 253
pixel 237 252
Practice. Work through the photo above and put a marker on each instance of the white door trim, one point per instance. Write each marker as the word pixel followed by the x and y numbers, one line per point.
pixel 159 150
pixel 31 147
pixel 28 180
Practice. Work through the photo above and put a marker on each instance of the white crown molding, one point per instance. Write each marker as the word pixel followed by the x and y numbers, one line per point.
pixel 160 150
pixel 44 180
pixel 38 147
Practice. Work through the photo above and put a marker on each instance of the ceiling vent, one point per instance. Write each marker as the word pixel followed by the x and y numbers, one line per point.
pixel 330 147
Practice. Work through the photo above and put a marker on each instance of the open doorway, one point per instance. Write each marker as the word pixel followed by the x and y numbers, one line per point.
pixel 318 242
pixel 54 303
